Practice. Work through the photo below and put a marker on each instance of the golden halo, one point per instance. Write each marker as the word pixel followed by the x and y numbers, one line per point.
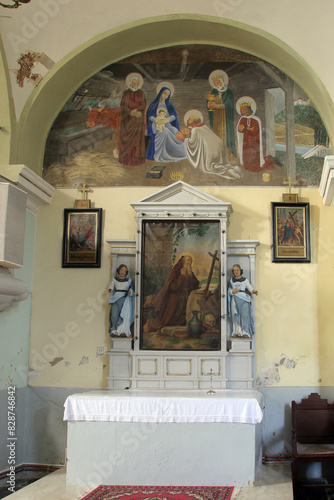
pixel 186 253
pixel 218 73
pixel 192 112
pixel 131 76
pixel 169 85
pixel 246 101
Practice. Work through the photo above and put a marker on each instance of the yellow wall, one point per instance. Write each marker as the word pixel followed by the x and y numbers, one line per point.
pixel 70 311
pixel 69 306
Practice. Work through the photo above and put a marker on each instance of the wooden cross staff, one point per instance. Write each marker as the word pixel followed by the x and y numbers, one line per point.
pixel 214 259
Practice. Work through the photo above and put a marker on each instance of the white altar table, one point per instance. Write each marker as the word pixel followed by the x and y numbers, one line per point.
pixel 184 438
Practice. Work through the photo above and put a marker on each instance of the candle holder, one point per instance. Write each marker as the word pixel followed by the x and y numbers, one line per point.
pixel 211 373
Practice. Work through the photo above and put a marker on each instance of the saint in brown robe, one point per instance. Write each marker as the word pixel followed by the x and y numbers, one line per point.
pixel 171 302
pixel 132 134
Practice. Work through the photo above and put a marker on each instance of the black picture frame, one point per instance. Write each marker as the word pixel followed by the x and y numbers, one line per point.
pixel 290 232
pixel 82 238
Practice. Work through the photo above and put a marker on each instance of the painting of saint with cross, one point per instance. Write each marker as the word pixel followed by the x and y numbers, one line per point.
pixel 180 285
pixel 291 232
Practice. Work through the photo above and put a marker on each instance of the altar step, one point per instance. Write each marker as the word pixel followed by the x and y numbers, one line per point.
pixel 274 482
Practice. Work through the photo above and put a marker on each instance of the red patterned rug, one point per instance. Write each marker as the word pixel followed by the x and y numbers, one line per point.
pixel 160 493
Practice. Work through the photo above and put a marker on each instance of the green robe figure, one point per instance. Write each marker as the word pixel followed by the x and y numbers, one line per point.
pixel 220 105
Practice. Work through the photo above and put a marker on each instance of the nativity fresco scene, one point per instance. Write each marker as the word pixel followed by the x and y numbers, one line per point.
pixel 202 114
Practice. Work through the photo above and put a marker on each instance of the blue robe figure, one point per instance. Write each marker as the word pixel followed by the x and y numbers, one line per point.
pixel 121 303
pixel 164 146
pixel 239 304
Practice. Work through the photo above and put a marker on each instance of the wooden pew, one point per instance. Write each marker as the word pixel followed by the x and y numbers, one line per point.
pixel 312 438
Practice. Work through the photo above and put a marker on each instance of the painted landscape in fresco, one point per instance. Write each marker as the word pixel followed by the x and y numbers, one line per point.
pixel 202 114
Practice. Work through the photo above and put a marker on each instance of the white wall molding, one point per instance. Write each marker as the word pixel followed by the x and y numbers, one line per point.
pixel 39 192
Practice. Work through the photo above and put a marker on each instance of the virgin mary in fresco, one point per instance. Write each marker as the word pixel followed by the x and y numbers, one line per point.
pixel 162 127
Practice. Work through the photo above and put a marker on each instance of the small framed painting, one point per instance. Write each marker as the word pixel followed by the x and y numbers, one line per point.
pixel 290 232
pixel 82 237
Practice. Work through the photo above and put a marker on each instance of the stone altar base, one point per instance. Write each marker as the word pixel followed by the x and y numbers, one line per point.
pixel 157 438
pixel 158 454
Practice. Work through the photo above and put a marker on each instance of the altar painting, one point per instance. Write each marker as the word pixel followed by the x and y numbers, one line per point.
pixel 206 115
pixel 180 299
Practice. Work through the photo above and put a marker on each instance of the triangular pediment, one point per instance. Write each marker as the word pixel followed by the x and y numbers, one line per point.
pixel 183 198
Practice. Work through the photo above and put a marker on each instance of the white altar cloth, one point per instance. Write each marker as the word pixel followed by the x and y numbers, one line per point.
pixel 164 437
pixel 224 406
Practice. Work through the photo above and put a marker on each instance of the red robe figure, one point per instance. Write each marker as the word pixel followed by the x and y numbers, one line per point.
pixel 132 133
pixel 250 138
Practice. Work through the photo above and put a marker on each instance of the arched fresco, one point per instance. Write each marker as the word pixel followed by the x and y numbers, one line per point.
pixel 203 114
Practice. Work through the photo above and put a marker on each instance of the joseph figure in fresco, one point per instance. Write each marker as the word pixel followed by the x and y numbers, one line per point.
pixel 133 123
pixel 171 302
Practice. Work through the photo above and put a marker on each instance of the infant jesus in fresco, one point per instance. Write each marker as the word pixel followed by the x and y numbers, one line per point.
pixel 161 120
